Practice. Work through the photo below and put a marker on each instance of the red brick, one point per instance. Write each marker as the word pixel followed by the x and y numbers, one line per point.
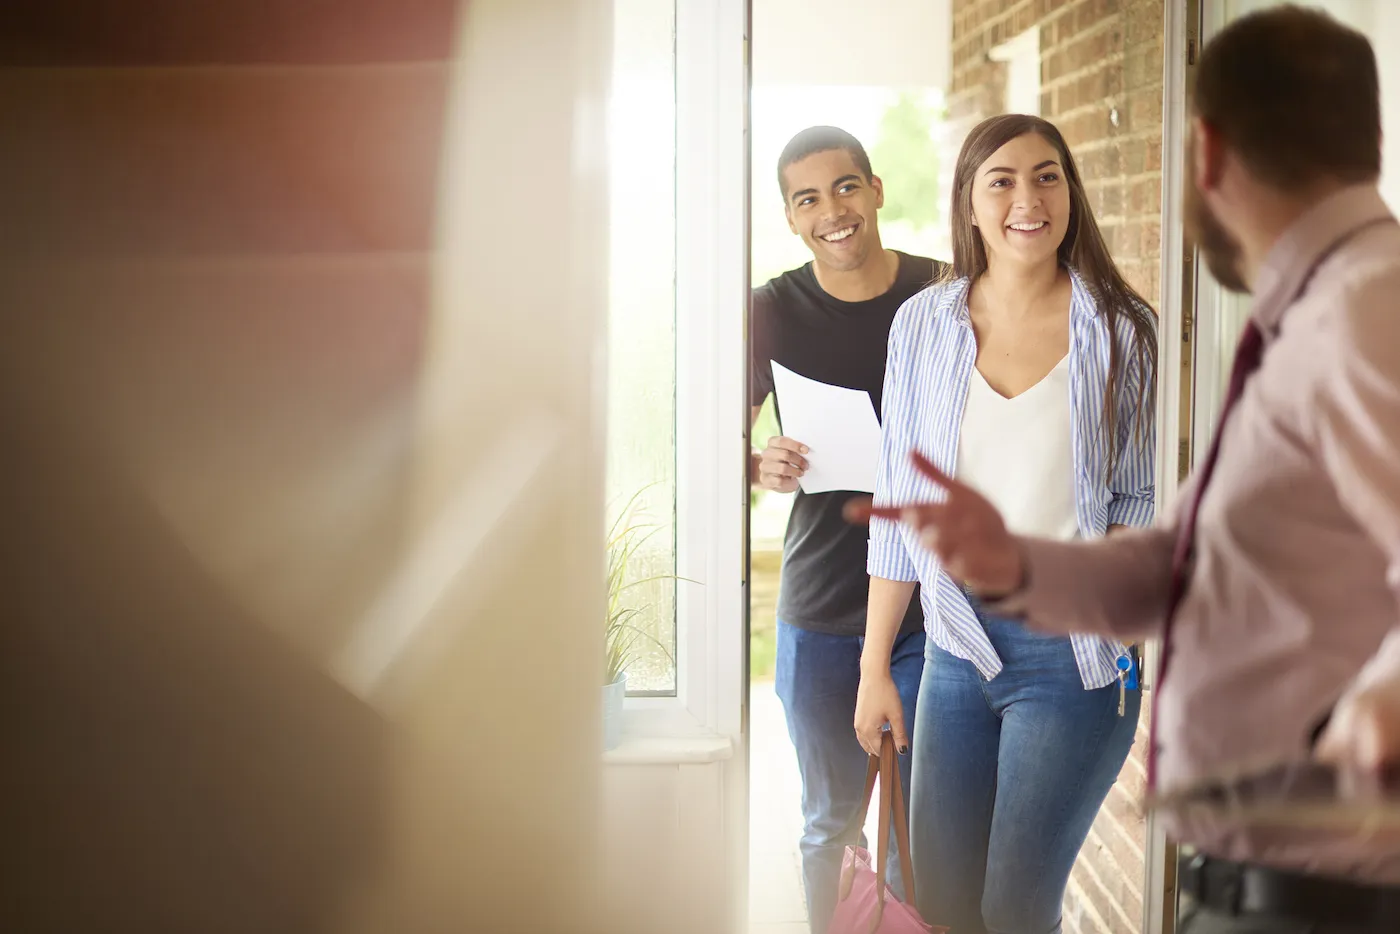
pixel 1144 196
pixel 1153 157
pixel 1145 109
pixel 1108 200
pixel 1134 160
pixel 1151 246
pixel 1144 22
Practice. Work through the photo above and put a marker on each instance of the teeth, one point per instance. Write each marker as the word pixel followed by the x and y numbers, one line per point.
pixel 841 234
pixel 1028 227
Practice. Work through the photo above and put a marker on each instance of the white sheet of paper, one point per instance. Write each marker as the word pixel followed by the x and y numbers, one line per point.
pixel 839 427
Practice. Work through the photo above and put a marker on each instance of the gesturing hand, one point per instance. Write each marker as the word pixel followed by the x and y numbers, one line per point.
pixel 965 531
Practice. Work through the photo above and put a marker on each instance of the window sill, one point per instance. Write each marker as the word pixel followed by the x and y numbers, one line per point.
pixel 670 750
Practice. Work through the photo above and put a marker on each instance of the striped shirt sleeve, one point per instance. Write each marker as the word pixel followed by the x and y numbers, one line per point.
pixel 1132 486
pixel 888 557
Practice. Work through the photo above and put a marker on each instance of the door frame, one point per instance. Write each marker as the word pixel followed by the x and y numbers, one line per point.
pixel 1177 377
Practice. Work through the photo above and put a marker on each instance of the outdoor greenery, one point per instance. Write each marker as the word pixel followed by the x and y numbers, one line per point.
pixel 905 156
pixel 626 536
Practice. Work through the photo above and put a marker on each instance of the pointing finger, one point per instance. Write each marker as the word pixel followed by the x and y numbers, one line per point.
pixel 930 470
pixel 862 511
pixel 859 511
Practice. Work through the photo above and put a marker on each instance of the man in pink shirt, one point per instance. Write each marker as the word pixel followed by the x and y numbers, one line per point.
pixel 1274 583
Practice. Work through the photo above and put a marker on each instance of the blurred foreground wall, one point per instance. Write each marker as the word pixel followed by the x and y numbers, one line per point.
pixel 300 308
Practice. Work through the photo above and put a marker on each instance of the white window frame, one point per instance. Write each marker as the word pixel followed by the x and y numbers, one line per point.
pixel 1021 55
pixel 712 291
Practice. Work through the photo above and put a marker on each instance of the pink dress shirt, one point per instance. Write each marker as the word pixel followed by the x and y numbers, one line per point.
pixel 1296 580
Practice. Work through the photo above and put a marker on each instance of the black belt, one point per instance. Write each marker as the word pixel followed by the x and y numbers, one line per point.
pixel 1237 889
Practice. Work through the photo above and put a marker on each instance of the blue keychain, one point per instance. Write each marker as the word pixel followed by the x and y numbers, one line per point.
pixel 1128 672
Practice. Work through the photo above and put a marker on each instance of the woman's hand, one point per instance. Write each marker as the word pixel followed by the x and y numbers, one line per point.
pixel 878 703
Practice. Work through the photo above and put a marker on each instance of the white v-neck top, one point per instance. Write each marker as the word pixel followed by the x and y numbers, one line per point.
pixel 1019 453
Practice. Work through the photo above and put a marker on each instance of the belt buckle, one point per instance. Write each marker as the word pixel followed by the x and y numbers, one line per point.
pixel 1216 884
pixel 1191 876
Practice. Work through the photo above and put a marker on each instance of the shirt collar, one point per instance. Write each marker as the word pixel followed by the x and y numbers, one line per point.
pixel 1303 245
pixel 953 299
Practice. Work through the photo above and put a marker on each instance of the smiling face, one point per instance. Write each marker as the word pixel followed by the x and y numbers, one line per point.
pixel 832 205
pixel 1020 201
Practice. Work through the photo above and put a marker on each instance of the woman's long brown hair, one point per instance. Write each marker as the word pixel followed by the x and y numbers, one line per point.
pixel 1083 249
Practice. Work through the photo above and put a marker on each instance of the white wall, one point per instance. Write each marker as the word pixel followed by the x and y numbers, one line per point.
pixel 669 857
pixel 885 43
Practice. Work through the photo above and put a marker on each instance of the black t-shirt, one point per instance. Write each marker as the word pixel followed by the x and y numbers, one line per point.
pixel 795 322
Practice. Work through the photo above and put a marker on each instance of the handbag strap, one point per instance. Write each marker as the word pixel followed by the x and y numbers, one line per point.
pixel 885 767
pixel 872 773
pixel 892 807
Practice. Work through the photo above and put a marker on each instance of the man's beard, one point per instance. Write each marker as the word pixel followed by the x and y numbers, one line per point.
pixel 1221 250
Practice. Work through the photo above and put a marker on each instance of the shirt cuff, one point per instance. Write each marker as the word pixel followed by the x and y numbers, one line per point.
pixel 1133 511
pixel 889 560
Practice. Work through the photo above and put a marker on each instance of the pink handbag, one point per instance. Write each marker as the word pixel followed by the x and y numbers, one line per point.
pixel 866 905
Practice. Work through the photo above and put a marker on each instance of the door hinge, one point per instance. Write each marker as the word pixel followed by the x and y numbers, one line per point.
pixel 1183 459
pixel 1190 50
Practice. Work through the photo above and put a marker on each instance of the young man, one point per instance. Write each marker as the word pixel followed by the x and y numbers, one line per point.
pixel 829 320
pixel 1274 583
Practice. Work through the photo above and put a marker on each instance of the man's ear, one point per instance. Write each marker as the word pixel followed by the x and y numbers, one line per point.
pixel 787 212
pixel 879 187
pixel 1207 154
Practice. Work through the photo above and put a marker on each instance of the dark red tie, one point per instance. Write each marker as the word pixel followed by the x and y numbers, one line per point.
pixel 1247 358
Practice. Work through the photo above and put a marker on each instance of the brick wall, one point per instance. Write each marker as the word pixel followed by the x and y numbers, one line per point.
pixel 1101 83
pixel 1098 58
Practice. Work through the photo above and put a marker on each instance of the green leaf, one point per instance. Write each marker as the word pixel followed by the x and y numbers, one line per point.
pixel 627 535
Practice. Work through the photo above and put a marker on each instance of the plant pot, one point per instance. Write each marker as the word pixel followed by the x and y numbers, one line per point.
pixel 613 695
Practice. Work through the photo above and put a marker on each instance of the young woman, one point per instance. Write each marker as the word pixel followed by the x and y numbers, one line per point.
pixel 1029 374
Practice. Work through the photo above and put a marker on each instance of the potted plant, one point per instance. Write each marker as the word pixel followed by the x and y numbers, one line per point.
pixel 626 536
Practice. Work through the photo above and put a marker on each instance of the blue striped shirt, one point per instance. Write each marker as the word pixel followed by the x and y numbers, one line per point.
pixel 932 352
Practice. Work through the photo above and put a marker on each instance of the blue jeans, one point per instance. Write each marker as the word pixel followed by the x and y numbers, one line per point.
pixel 817 678
pixel 1008 777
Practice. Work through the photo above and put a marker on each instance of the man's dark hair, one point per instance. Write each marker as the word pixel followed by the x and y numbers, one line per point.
pixel 1296 94
pixel 817 139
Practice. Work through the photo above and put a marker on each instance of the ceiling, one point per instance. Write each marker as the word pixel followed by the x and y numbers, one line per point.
pixel 886 43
